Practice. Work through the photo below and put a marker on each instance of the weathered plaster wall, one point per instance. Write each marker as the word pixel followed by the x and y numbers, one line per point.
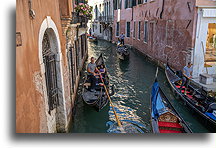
pixel 31 113
pixel 170 29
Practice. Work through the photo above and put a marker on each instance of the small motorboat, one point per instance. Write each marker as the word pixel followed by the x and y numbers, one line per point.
pixel 164 117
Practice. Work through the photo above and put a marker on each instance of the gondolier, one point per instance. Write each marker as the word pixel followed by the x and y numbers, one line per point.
pixel 90 31
pixel 95 94
pixel 122 38
pixel 187 74
pixel 196 99
pixel 91 68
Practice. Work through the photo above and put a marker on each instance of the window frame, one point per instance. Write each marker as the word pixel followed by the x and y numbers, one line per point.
pixel 145 33
pixel 117 29
pixel 139 30
pixel 127 33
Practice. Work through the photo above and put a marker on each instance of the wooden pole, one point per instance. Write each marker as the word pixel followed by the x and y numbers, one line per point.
pixel 116 116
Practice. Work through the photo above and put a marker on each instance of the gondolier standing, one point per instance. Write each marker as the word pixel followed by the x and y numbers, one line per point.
pixel 187 72
pixel 122 38
pixel 90 31
pixel 91 68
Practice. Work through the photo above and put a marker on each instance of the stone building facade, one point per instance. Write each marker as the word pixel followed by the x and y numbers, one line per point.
pixel 161 29
pixel 50 51
pixel 102 21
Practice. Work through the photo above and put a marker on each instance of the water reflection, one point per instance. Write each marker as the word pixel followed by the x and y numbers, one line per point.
pixel 132 80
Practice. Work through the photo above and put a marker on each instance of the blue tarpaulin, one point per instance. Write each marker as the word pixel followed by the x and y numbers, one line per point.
pixel 156 99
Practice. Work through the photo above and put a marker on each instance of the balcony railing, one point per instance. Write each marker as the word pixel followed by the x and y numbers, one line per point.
pixel 110 18
pixel 76 18
pixel 107 19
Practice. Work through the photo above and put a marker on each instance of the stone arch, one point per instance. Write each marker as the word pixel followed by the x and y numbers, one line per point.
pixel 56 119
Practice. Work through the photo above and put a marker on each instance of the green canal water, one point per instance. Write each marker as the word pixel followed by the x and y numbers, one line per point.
pixel 132 80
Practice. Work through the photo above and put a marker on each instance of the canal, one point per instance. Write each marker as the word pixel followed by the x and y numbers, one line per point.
pixel 132 80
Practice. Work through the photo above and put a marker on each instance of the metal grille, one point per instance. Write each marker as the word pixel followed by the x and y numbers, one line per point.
pixel 71 69
pixel 77 55
pixel 49 60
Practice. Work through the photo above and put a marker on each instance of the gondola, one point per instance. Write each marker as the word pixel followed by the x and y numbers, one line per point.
pixel 197 100
pixel 122 52
pixel 99 98
pixel 164 118
pixel 92 39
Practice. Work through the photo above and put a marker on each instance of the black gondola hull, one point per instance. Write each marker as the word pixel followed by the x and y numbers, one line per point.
pixel 97 99
pixel 204 119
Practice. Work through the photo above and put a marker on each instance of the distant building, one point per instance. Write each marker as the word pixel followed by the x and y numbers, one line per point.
pixel 50 51
pixel 168 30
pixel 101 23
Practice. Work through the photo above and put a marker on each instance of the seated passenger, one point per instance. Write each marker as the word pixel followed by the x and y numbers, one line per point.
pixel 102 69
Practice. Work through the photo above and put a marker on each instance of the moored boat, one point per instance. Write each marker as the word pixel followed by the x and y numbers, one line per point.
pixel 197 100
pixel 92 39
pixel 164 117
pixel 99 98
pixel 122 52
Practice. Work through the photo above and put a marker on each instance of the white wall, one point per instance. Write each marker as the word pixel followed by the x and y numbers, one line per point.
pixel 201 36
pixel 96 23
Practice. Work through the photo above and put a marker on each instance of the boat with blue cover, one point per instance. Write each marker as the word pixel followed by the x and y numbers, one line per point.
pixel 164 117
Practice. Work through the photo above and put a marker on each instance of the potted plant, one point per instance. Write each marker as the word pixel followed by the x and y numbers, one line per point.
pixel 84 10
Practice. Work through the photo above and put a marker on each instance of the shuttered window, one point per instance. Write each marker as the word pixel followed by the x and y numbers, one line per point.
pixel 128 29
pixel 146 31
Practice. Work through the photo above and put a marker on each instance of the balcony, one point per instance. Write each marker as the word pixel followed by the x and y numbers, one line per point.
pixel 101 18
pixel 110 19
pixel 79 20
pixel 105 19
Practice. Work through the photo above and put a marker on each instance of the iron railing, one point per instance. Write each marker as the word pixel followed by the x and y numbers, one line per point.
pixel 76 18
pixel 106 19
pixel 49 60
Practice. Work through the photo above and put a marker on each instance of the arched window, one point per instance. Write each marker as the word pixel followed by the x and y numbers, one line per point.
pixel 49 59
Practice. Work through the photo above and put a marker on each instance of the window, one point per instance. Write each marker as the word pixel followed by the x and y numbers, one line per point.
pixel 210 45
pixel 96 12
pixel 120 4
pixel 49 59
pixel 133 2
pixel 134 33
pixel 140 1
pixel 100 29
pixel 126 4
pixel 115 4
pixel 139 30
pixel 117 29
pixel 146 31
pixel 129 4
pixel 128 29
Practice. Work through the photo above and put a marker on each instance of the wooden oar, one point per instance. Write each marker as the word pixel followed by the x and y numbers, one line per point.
pixel 116 116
